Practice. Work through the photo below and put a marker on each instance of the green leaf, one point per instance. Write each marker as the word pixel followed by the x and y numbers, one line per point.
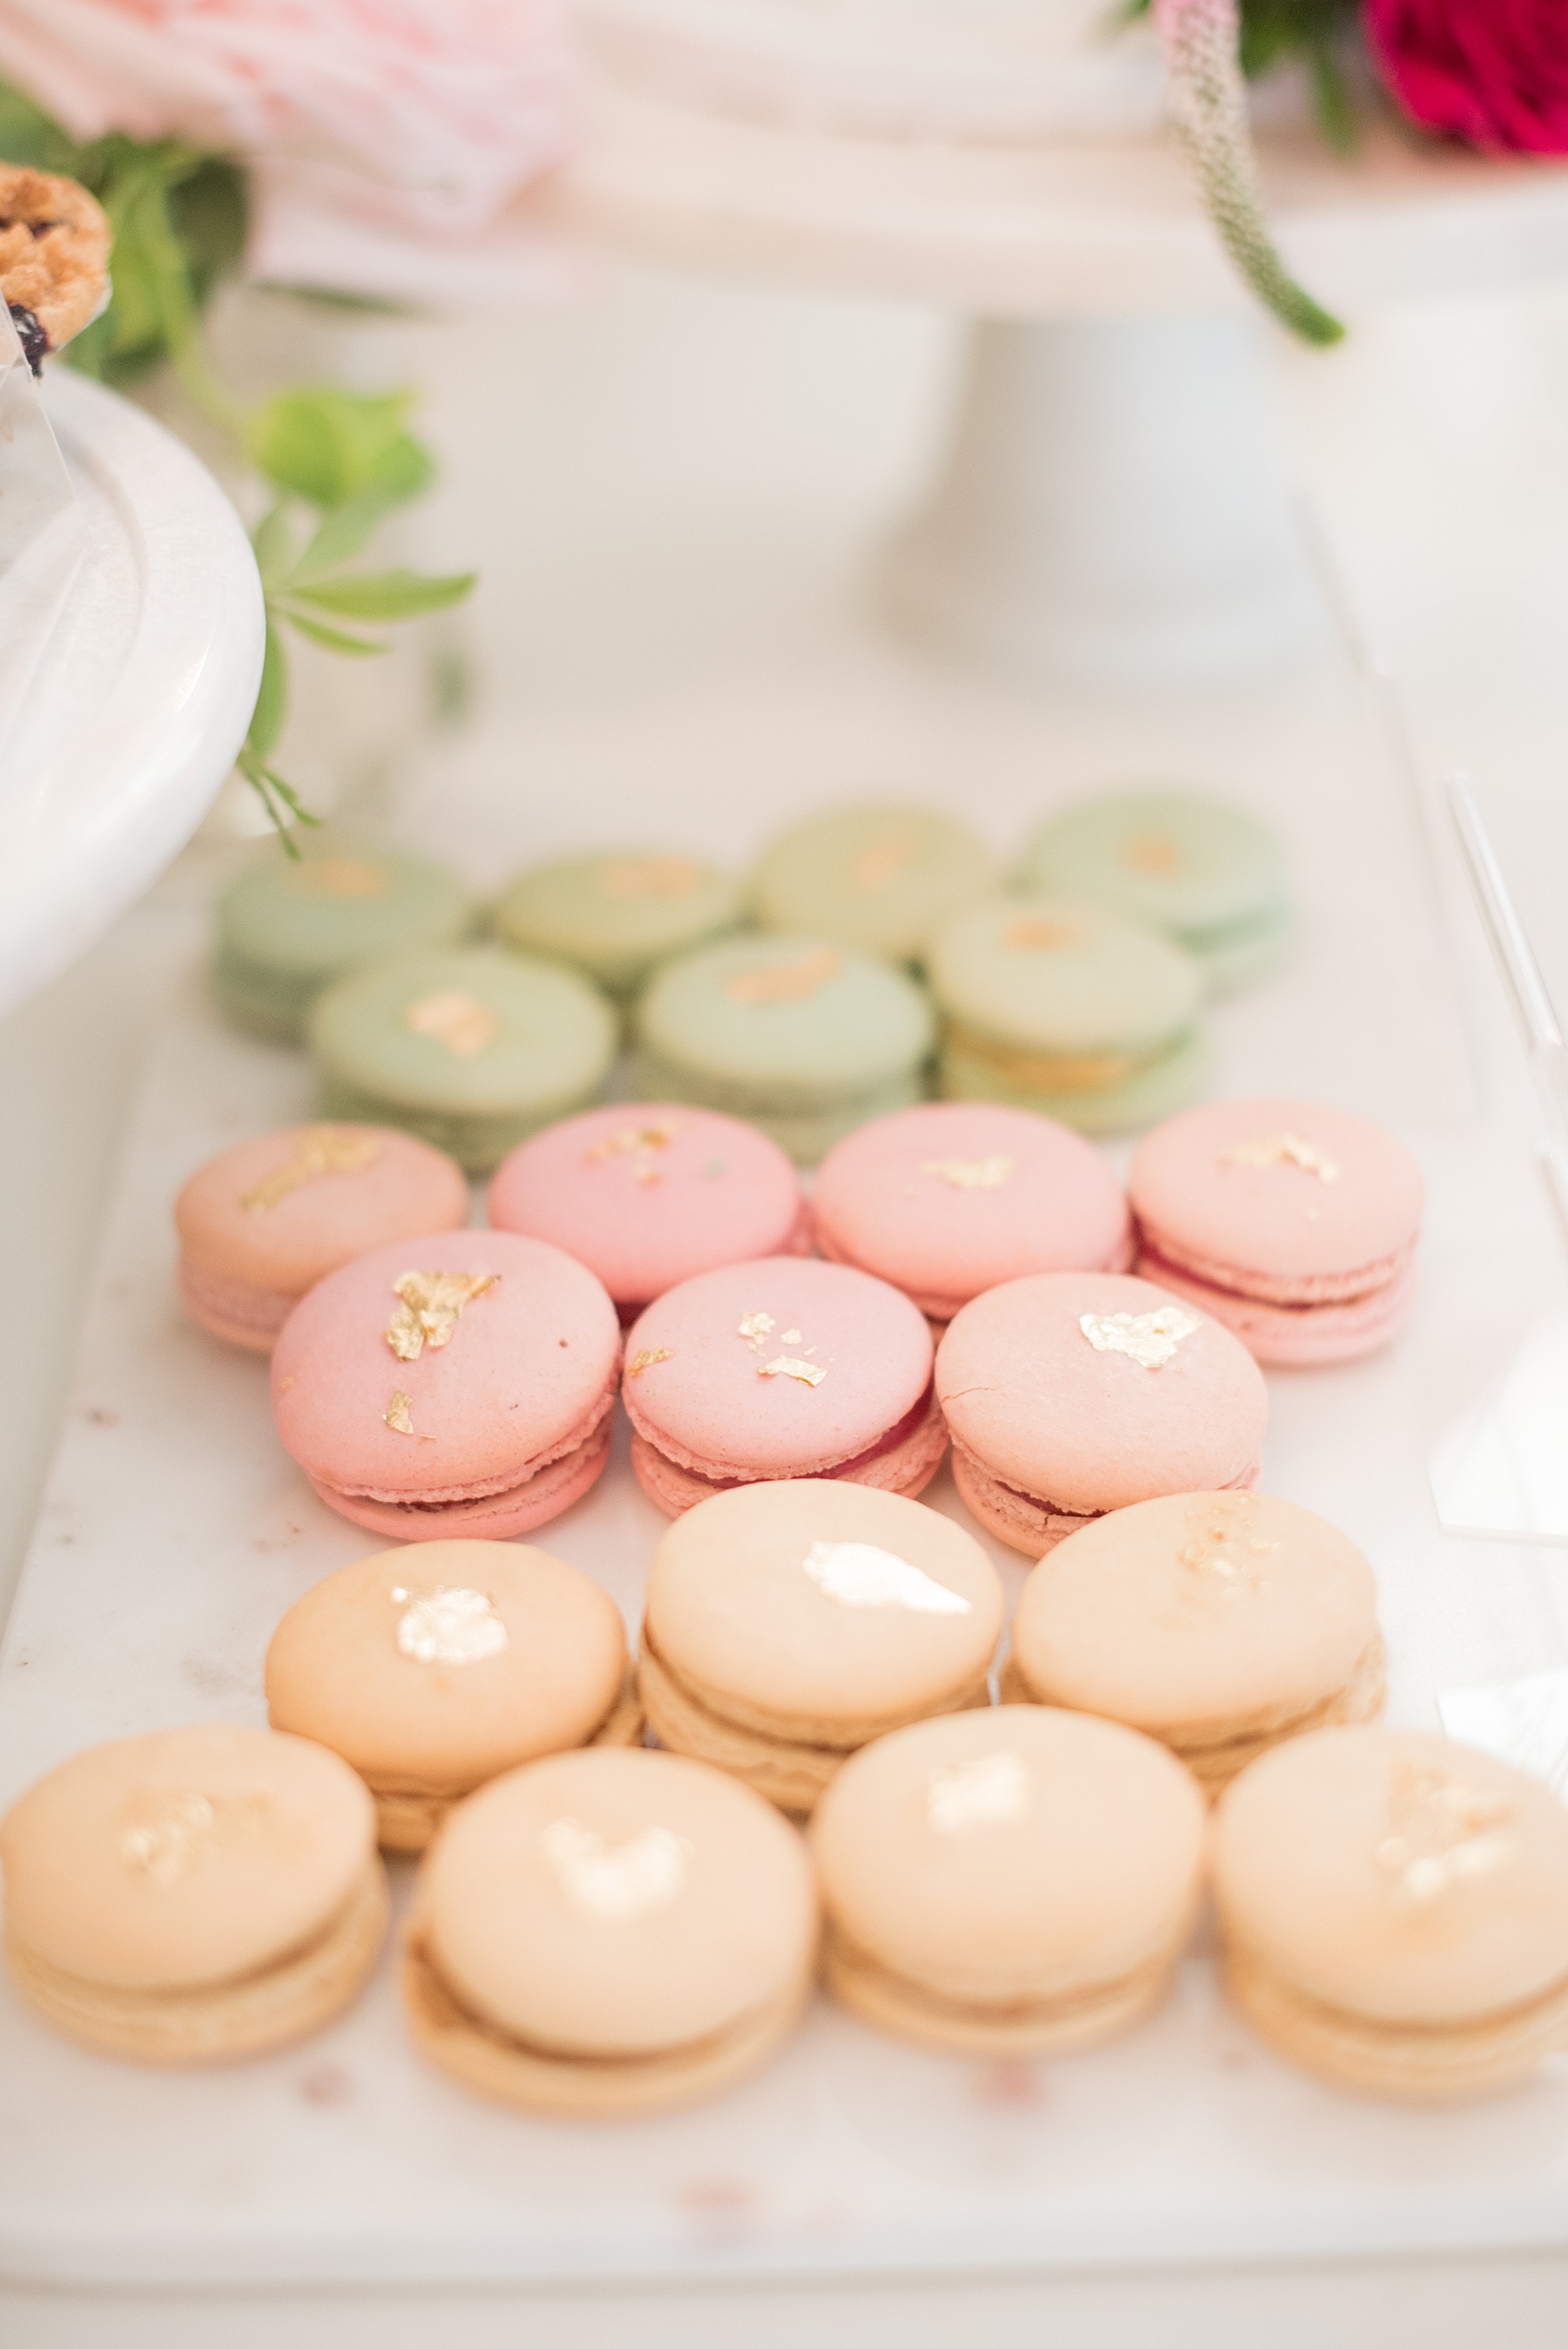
pixel 210 214
pixel 333 639
pixel 278 796
pixel 29 136
pixel 272 697
pixel 327 444
pixel 272 543
pixel 386 595
pixel 342 534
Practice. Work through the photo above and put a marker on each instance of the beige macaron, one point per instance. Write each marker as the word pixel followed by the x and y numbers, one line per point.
pixel 1217 1622
pixel 609 1932
pixel 432 1668
pixel 191 1895
pixel 1013 1882
pixel 1395 1910
pixel 789 1623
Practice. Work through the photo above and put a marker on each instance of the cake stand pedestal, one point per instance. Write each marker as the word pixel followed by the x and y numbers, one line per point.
pixel 1112 505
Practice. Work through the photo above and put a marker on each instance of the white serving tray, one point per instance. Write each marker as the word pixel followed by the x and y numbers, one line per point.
pixel 175 1531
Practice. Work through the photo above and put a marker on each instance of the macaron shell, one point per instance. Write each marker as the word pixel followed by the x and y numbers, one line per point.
pixel 539 1494
pixel 1039 973
pixel 1300 1336
pixel 1043 1409
pixel 337 905
pixel 1195 1612
pixel 237 1223
pixel 1156 1089
pixel 732 1610
pixel 949 1198
pixel 878 877
pixel 341 1669
pixel 617 915
pixel 1089 1873
pixel 1311 1852
pixel 647 1196
pixel 504 1927
pixel 184 1858
pixel 702 1390
pixel 521 1379
pixel 1176 860
pixel 1279 1230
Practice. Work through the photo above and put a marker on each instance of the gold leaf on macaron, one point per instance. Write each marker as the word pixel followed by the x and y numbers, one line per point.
pixel 646 1359
pixel 396 1413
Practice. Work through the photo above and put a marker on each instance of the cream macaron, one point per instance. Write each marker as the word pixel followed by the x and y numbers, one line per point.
pixel 1019 1882
pixel 192 1895
pixel 608 1932
pixel 1217 1622
pixel 1395 1911
pixel 434 1668
pixel 788 1624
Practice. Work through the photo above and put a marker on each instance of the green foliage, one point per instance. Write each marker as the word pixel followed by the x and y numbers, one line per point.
pixel 179 217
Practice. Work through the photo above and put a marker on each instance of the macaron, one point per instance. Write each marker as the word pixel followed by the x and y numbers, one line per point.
pixel 471 1049
pixel 1210 876
pixel 1067 1395
pixel 287 927
pixel 880 878
pixel 432 1670
pixel 1294 1224
pixel 1019 1882
pixel 616 918
pixel 950 1198
pixel 194 1895
pixel 1217 1622
pixel 782 1367
pixel 458 1386
pixel 261 1223
pixel 647 1196
pixel 788 1624
pixel 607 1933
pixel 1395 1911
pixel 1060 1008
pixel 805 1037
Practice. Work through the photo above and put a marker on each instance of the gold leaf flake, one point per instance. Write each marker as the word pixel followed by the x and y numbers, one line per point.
pixel 396 1413
pixel 632 876
pixel 754 1327
pixel 1282 1150
pixel 860 1574
pixel 1442 1832
pixel 785 982
pixel 1036 935
pixel 449 1625
pixel 788 1365
pixel 1154 853
pixel 617 1882
pixel 634 1141
pixel 971 1174
pixel 1149 1337
pixel 432 1303
pixel 462 1022
pixel 166 1835
pixel 340 877
pixel 986 1792
pixel 882 860
pixel 319 1150
pixel 646 1359
pixel 790 1337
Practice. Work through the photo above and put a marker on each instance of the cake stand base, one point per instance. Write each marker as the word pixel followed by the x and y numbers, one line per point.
pixel 1112 507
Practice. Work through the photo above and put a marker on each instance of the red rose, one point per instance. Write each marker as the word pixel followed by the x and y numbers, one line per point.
pixel 1494 73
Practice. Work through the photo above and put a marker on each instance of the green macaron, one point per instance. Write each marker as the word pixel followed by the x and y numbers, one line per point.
pixel 471 1049
pixel 805 1037
pixel 1209 876
pixel 1064 1009
pixel 288 927
pixel 617 917
pixel 881 879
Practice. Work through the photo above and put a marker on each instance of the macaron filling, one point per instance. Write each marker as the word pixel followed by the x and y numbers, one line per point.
pixel 212 2022
pixel 904 1460
pixel 234 1309
pixel 1032 1070
pixel 1000 1504
pixel 544 1478
pixel 1163 1253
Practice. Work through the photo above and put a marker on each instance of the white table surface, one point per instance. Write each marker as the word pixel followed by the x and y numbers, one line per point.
pixel 688 485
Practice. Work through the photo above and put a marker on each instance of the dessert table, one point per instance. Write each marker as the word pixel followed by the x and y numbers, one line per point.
pixel 703 681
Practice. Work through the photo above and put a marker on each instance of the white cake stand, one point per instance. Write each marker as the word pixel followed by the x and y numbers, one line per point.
pixel 125 699
pixel 1112 504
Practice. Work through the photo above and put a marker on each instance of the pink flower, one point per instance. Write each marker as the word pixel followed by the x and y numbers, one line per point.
pixel 1494 73
pixel 383 135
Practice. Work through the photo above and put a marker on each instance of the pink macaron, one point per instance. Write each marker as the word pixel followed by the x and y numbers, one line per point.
pixel 647 1196
pixel 954 1197
pixel 261 1223
pixel 786 1366
pixel 460 1385
pixel 1294 1224
pixel 1071 1393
